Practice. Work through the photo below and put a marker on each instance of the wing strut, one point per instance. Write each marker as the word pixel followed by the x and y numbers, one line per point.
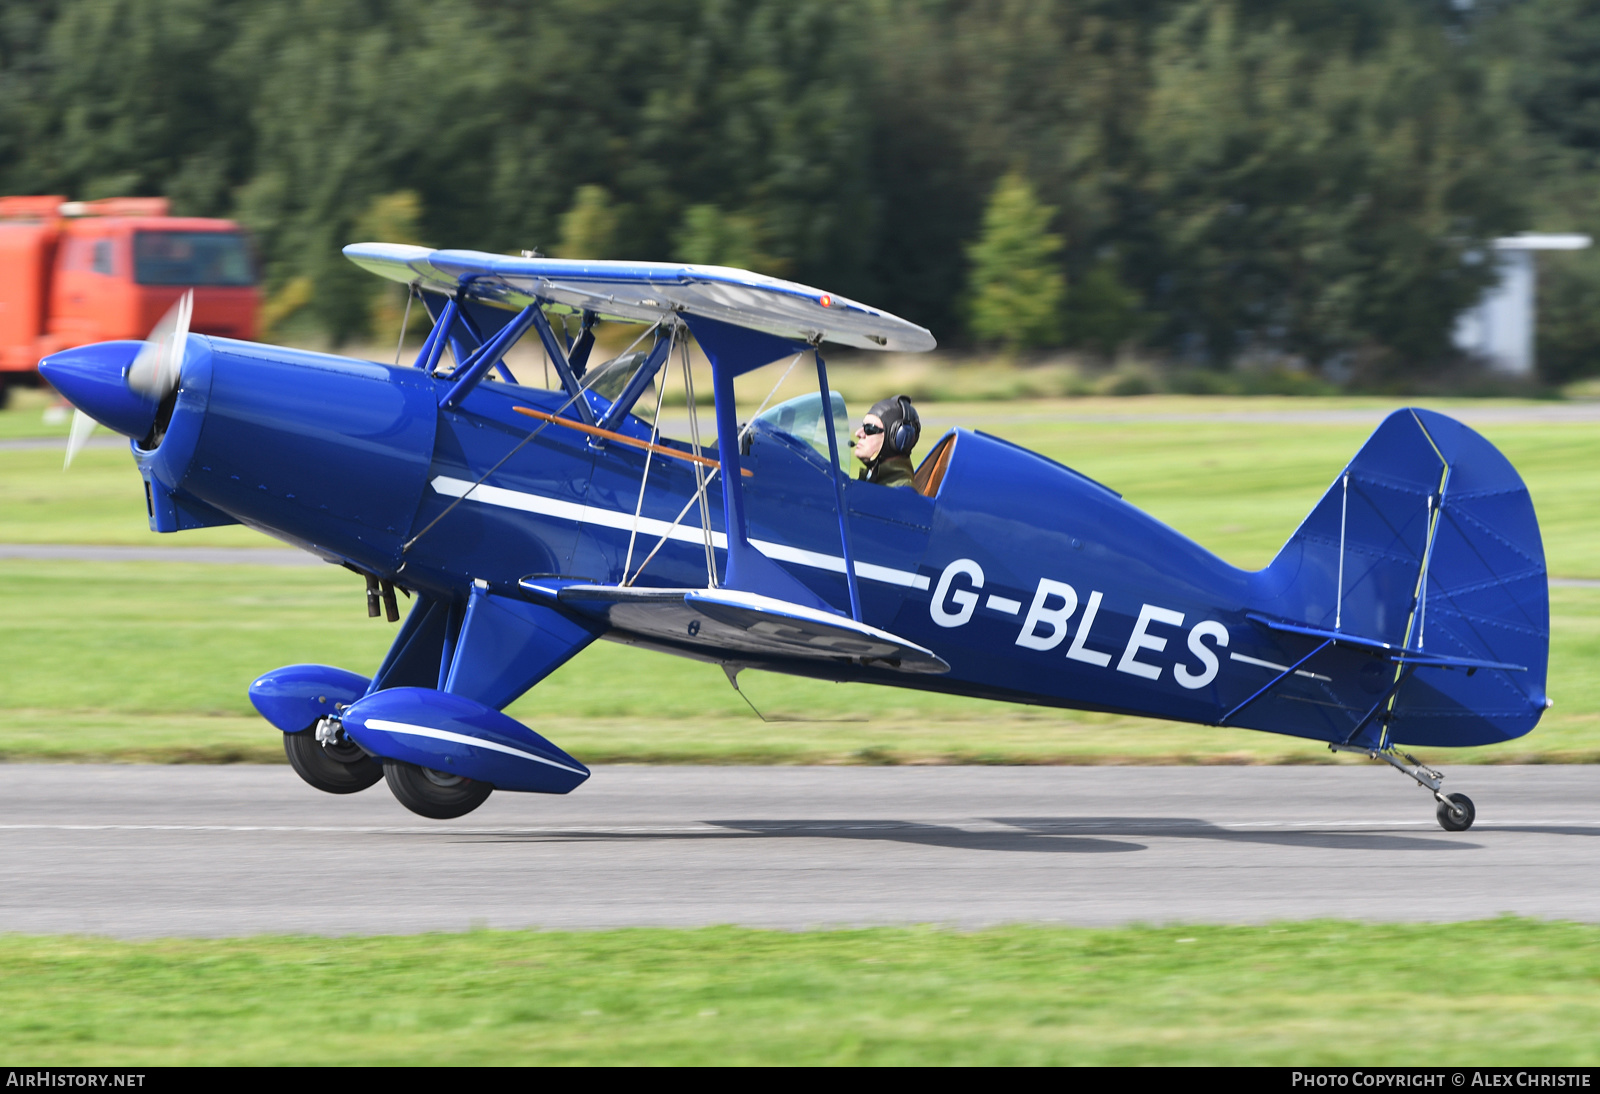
pixel 575 397
pixel 487 356
pixel 701 482
pixel 658 358
pixel 838 491
pixel 433 345
pixel 578 355
pixel 732 350
pixel 558 357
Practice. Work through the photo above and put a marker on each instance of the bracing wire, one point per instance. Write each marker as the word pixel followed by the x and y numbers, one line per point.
pixel 702 487
pixel 1344 510
pixel 793 361
pixel 655 435
pixel 405 322
pixel 673 527
pixel 540 428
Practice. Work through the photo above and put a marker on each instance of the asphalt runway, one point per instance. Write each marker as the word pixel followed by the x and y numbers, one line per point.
pixel 139 851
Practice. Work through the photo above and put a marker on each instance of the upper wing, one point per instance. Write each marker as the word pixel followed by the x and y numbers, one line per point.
pixel 646 292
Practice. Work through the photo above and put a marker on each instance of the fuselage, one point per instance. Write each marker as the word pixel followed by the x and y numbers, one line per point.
pixel 1033 582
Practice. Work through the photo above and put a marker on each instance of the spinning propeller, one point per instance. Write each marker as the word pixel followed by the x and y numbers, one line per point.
pixel 155 371
pixel 153 375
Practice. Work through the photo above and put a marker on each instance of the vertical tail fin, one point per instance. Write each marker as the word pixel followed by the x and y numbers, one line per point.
pixel 1428 540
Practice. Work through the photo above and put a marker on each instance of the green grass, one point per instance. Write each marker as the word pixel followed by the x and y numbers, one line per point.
pixel 151 661
pixel 99 500
pixel 1500 992
pixel 1241 489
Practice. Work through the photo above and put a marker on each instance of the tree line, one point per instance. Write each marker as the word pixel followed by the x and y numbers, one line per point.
pixel 1313 180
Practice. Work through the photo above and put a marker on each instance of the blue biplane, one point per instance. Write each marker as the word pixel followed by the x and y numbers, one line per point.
pixel 1410 608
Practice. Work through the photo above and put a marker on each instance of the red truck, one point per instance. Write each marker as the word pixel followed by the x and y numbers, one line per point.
pixel 75 272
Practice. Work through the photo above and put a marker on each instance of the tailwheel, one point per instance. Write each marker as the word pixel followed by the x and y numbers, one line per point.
pixel 1456 813
pixel 436 794
pixel 331 762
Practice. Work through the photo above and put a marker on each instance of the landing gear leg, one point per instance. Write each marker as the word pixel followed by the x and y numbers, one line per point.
pixel 1455 811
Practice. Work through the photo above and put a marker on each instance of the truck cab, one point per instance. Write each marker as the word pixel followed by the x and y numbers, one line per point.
pixel 74 273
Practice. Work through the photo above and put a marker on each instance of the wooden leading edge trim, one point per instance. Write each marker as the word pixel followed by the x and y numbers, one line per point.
pixel 621 438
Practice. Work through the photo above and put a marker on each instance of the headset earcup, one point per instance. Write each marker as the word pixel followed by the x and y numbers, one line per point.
pixel 909 429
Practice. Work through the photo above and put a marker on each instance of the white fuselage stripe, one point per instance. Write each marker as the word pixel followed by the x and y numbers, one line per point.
pixel 1276 666
pixel 463 739
pixel 650 526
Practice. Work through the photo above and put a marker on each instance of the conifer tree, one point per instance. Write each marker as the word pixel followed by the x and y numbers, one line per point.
pixel 1017 287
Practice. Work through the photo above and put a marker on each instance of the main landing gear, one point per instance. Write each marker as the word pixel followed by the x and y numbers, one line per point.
pixel 324 757
pixel 1455 811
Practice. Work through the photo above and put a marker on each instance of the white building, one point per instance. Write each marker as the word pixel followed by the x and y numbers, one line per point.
pixel 1500 327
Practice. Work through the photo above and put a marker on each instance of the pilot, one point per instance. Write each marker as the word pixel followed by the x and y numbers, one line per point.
pixel 888 433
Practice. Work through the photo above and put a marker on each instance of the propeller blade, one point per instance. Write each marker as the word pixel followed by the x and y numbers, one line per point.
pixel 155 371
pixel 82 426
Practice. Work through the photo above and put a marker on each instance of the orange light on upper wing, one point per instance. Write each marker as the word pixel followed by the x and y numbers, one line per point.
pixel 825 300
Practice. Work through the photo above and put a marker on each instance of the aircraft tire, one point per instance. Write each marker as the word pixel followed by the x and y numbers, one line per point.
pixel 435 794
pixel 336 769
pixel 1450 820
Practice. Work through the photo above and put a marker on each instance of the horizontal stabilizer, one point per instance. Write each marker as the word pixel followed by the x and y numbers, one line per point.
pixel 726 624
pixel 1389 651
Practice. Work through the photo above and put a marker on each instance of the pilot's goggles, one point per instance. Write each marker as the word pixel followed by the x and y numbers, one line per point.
pixel 870 430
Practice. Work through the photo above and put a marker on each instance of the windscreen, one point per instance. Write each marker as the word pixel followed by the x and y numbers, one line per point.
pixel 192 258
pixel 610 378
pixel 802 419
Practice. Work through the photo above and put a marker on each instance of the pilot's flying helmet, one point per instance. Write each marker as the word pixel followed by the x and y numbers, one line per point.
pixel 901 426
